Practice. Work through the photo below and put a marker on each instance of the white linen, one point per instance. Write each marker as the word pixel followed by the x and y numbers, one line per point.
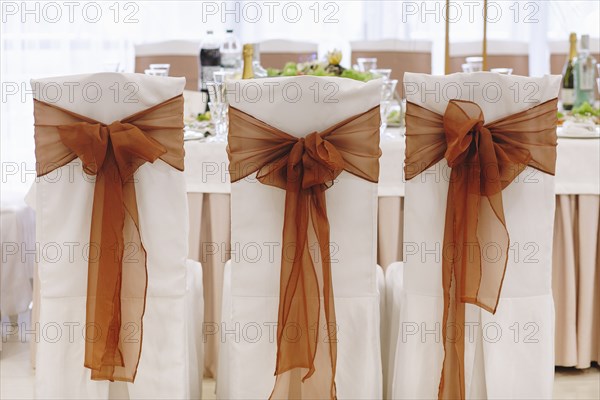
pixel 509 354
pixel 577 166
pixel 257 218
pixel 63 207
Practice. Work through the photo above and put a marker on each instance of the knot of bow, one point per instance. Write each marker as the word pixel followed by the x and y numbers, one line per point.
pixel 130 146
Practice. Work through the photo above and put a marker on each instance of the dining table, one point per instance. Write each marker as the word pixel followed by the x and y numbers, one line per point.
pixel 576 255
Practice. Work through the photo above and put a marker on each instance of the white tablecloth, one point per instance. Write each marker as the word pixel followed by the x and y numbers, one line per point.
pixel 577 167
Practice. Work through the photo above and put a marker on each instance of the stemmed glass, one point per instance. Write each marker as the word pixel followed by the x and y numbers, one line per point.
pixel 219 109
pixel 366 64
pixel 388 88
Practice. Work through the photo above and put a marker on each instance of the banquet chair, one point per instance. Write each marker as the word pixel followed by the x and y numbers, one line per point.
pixel 398 55
pixel 256 278
pixel 277 52
pixel 155 349
pixel 181 55
pixel 501 54
pixel 509 353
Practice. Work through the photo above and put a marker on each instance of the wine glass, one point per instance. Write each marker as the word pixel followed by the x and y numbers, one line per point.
pixel 219 113
pixel 384 73
pixel 156 72
pixel 388 88
pixel 366 64
pixel 475 64
pixel 219 109
pixel 161 67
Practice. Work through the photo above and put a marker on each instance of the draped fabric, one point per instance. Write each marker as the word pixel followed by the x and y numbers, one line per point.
pixel 485 158
pixel 117 275
pixel 305 168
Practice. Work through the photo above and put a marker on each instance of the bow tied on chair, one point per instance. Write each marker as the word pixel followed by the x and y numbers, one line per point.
pixel 117 275
pixel 485 158
pixel 305 168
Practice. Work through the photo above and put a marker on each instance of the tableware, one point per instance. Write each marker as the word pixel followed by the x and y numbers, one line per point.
pixel 579 130
pixel 384 109
pixel 475 63
pixel 388 88
pixel 156 72
pixel 502 71
pixel 219 115
pixel 216 92
pixel 384 73
pixel 224 75
pixel 366 64
pixel 161 67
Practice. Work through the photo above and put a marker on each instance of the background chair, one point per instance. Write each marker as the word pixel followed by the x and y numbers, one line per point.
pixel 399 55
pixel 501 54
pixel 171 359
pixel 277 52
pixel 183 56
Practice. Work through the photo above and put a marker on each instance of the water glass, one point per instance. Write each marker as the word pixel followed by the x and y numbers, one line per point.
pixel 219 115
pixel 156 72
pixel 366 64
pixel 384 73
pixel 475 64
pixel 388 88
pixel 224 75
pixel 384 109
pixel 216 92
pixel 161 67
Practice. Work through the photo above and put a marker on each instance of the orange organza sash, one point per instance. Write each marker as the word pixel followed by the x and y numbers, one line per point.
pixel 484 160
pixel 305 168
pixel 117 275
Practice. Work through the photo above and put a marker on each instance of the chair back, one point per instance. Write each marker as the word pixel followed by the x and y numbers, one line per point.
pixel 398 55
pixel 276 53
pixel 183 56
pixel 501 54
pixel 294 105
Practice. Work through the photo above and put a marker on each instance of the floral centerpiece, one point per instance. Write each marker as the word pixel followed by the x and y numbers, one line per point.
pixel 330 67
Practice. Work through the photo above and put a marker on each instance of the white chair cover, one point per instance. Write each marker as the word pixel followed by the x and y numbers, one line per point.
pixel 509 355
pixel 248 341
pixel 394 274
pixel 168 367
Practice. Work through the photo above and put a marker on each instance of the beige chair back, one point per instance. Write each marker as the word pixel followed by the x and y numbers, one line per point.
pixel 399 56
pixel 181 55
pixel 501 54
pixel 276 53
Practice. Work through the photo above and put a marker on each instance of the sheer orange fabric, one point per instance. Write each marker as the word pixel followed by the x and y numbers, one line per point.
pixel 484 160
pixel 117 276
pixel 305 168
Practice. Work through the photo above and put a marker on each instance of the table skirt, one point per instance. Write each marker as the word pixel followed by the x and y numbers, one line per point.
pixel 576 268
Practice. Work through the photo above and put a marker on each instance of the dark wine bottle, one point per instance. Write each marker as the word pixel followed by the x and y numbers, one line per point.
pixel 567 94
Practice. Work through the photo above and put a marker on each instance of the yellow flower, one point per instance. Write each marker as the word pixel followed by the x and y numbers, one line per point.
pixel 334 57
